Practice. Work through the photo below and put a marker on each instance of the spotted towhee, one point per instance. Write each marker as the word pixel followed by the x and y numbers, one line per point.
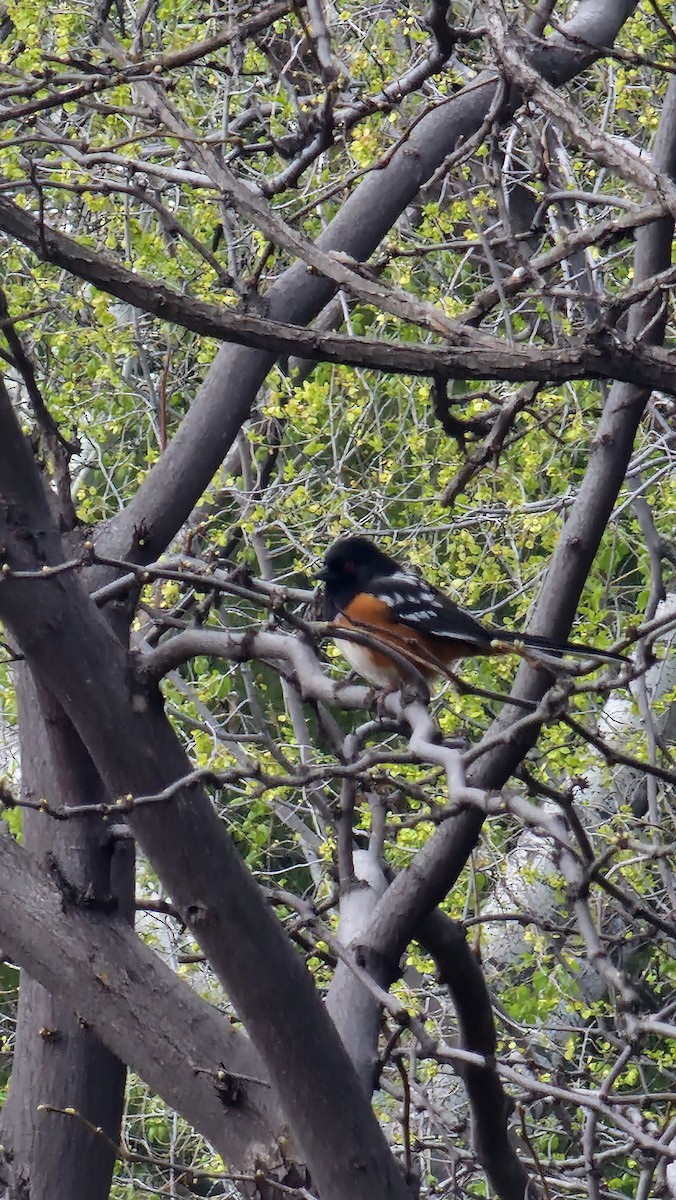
pixel 375 596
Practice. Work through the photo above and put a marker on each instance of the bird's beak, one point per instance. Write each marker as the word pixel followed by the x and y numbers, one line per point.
pixel 323 574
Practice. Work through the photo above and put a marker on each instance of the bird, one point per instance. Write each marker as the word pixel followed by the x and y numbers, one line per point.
pixel 382 601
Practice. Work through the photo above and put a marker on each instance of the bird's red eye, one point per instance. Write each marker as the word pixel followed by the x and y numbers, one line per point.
pixel 349 567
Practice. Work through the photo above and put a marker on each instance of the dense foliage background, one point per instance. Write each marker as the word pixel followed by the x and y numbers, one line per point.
pixel 175 176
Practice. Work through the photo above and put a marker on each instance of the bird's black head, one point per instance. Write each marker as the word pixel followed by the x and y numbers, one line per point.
pixel 349 566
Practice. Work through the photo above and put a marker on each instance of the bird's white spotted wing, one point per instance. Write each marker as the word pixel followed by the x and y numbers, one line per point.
pixel 414 602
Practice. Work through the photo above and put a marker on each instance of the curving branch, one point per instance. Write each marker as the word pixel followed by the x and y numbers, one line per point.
pixel 490 1106
pixel 465 358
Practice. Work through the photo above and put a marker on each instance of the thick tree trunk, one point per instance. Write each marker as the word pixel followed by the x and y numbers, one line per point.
pixel 57 1060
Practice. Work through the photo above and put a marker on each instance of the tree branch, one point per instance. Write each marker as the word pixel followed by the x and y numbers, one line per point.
pixel 133 1003
pixel 490 358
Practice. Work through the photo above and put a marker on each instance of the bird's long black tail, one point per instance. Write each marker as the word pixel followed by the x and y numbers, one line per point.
pixel 533 642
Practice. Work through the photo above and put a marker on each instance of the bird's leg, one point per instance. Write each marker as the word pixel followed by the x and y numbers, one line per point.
pixel 380 698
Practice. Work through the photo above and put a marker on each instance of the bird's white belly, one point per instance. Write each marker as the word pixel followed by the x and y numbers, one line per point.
pixel 361 661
